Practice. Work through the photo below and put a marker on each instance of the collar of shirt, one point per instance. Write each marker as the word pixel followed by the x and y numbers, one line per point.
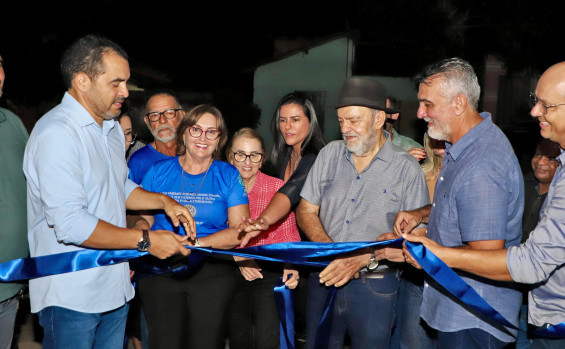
pixel 384 154
pixel 257 185
pixel 472 136
pixel 81 116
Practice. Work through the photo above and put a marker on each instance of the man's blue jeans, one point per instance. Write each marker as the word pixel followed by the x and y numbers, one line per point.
pixel 364 307
pixel 411 331
pixel 64 328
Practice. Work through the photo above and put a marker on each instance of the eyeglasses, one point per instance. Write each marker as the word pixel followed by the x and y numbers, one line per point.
pixel 210 133
pixel 240 156
pixel 534 100
pixel 130 136
pixel 155 116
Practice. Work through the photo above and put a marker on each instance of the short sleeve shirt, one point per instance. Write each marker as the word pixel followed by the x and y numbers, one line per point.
pixel 479 195
pixel 141 161
pixel 361 206
pixel 207 195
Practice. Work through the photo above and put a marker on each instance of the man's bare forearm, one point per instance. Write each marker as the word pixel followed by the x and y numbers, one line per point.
pixel 490 264
pixel 309 221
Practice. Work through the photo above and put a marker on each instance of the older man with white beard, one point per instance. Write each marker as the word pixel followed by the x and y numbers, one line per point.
pixel 353 193
pixel 163 113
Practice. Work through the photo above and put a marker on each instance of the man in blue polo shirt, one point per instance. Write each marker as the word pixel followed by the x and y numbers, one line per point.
pixel 478 202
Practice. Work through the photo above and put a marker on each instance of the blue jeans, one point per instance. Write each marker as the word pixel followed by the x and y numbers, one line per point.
pixel 65 328
pixel 411 331
pixel 364 307
pixel 473 338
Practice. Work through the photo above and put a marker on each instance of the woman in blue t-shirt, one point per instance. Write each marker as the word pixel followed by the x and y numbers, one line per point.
pixel 186 306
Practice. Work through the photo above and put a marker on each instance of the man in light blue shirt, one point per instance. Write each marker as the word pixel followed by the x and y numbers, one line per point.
pixel 478 202
pixel 78 192
pixel 538 261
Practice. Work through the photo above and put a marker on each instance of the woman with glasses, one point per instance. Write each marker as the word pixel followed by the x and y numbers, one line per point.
pixel 186 307
pixel 253 319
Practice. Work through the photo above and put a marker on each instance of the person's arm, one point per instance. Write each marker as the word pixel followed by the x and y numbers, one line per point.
pixel 230 237
pixel 278 208
pixel 163 243
pixel 283 201
pixel 406 221
pixel 308 219
pixel 140 199
pixel 137 222
pixel 341 269
pixel 488 263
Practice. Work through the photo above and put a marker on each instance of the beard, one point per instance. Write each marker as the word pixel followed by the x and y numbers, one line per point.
pixel 172 136
pixel 364 143
pixel 439 132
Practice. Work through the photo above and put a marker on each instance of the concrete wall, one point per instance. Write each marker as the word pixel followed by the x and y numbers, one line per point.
pixel 322 68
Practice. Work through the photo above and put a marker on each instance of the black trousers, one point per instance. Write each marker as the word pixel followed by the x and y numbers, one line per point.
pixel 253 315
pixel 189 311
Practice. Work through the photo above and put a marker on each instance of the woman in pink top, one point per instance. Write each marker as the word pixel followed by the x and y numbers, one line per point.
pixel 253 320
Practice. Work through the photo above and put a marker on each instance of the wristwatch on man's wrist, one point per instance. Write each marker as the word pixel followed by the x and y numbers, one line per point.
pixel 144 243
pixel 373 263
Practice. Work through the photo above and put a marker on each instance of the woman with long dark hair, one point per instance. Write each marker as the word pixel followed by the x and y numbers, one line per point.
pixel 297 140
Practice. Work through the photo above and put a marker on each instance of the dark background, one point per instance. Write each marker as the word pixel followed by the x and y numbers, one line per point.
pixel 211 47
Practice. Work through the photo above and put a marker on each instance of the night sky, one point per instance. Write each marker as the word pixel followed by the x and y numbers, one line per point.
pixel 204 44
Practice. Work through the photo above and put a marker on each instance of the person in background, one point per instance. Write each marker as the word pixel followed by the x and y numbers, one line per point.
pixel 536 183
pixel 13 139
pixel 133 325
pixel 253 319
pixel 195 293
pixel 297 140
pixel 544 163
pixel 411 331
pixel 433 162
pixel 125 124
pixel 163 114
pixel 403 142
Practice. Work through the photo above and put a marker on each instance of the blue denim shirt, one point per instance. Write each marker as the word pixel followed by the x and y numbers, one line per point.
pixel 540 259
pixel 76 175
pixel 479 196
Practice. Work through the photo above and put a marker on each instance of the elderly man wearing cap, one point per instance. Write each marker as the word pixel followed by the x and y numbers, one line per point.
pixel 478 203
pixel 353 193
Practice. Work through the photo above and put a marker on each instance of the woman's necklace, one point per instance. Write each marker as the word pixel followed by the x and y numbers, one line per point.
pixel 293 163
pixel 201 182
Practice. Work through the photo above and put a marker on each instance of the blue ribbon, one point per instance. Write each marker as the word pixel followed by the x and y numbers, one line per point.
pixel 285 305
pixel 301 253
